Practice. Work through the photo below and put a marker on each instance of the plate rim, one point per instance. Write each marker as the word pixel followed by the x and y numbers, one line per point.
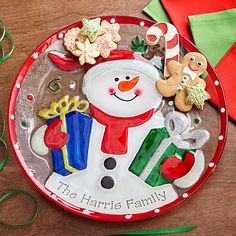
pixel 103 216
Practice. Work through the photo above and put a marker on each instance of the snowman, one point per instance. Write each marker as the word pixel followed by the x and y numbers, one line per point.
pixel 124 104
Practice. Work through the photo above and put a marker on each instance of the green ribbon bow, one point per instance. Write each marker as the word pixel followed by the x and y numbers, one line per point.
pixel 33 217
pixel 159 231
pixel 8 36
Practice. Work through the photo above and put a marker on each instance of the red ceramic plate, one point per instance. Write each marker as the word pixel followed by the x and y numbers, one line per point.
pixel 114 190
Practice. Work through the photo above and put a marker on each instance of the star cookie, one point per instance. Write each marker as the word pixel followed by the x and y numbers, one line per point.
pixel 197 96
pixel 105 45
pixel 86 52
pixel 92 28
pixel 71 37
pixel 112 29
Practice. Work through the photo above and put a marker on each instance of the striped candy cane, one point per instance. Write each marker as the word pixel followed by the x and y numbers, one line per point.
pixel 171 36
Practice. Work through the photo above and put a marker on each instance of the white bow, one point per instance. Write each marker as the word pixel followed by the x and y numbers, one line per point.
pixel 189 72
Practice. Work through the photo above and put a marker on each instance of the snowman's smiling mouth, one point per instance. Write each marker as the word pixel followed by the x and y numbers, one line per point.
pixel 125 100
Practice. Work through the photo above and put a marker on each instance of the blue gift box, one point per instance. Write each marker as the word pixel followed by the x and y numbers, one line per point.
pixel 73 156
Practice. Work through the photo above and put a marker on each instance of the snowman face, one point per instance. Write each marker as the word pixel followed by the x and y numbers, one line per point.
pixel 123 92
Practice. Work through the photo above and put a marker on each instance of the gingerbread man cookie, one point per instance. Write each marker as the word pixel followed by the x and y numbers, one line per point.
pixel 183 76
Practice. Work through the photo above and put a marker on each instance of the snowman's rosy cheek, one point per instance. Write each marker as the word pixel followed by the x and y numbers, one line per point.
pixel 138 92
pixel 111 90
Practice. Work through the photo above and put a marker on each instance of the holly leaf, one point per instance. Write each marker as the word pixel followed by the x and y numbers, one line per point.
pixel 137 40
pixel 162 64
pixel 133 44
pixel 145 48
pixel 139 45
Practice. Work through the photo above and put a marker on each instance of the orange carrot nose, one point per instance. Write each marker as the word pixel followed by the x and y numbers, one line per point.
pixel 125 86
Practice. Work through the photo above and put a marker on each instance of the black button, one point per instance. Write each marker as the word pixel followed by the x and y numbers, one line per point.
pixel 107 182
pixel 110 163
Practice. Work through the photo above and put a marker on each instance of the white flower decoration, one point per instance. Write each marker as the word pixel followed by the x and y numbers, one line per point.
pixel 86 52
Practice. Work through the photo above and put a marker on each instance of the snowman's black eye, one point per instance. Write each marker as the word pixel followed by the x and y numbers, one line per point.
pixel 116 79
pixel 127 77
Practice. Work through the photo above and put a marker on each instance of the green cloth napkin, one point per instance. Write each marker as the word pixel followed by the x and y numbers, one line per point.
pixel 214 33
pixel 155 10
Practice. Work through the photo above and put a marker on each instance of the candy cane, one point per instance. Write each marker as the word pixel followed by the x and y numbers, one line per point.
pixel 171 36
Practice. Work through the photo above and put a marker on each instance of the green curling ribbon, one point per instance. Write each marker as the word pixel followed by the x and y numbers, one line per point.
pixel 159 231
pixel 5 156
pixel 54 86
pixel 16 191
pixel 3 30
pixel 35 213
pixel 1 51
pixel 10 38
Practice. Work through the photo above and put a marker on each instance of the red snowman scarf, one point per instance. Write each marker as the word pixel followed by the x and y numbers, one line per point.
pixel 115 137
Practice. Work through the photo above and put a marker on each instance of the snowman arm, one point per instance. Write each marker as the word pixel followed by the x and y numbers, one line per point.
pixel 194 174
pixel 37 141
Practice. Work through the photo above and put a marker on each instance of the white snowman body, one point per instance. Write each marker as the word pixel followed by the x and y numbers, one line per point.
pixel 127 189
pixel 124 88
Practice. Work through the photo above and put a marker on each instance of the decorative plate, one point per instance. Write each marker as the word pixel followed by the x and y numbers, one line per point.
pixel 108 118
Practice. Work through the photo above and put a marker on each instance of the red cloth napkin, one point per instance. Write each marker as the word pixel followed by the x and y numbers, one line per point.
pixel 226 70
pixel 179 10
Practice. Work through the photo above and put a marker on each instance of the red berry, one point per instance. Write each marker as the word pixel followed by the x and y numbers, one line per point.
pixel 30 97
